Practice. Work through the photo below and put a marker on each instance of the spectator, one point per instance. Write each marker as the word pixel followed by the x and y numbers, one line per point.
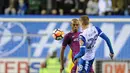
pixel 34 6
pixel 92 7
pixel 128 6
pixel 11 9
pixel 108 10
pixel 1 6
pixel 68 7
pixel 21 7
pixel 102 7
pixel 54 7
pixel 43 7
pixel 59 7
pixel 118 7
pixel 82 5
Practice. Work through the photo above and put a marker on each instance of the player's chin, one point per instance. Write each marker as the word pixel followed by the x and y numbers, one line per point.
pixel 75 30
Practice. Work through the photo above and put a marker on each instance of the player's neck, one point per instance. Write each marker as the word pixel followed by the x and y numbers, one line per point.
pixel 74 31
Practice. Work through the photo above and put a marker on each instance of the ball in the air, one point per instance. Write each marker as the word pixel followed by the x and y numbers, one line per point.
pixel 58 34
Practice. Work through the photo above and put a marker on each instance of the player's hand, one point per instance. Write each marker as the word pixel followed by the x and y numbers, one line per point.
pixel 61 69
pixel 74 60
pixel 111 56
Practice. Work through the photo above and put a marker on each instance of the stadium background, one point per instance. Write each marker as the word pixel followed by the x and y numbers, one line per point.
pixel 26 36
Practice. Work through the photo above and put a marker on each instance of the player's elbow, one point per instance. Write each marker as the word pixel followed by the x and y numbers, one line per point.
pixel 81 54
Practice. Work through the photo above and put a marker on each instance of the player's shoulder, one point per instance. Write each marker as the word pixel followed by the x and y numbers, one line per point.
pixel 98 30
pixel 94 27
pixel 83 33
pixel 68 34
pixel 79 32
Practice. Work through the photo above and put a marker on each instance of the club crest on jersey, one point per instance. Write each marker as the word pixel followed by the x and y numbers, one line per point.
pixel 10 41
pixel 76 39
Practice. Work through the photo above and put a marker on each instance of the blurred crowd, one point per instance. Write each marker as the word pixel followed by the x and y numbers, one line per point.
pixel 65 7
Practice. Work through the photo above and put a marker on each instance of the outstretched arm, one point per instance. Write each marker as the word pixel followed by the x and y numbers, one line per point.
pixel 103 36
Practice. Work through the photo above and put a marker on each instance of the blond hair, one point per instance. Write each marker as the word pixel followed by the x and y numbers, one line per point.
pixel 85 19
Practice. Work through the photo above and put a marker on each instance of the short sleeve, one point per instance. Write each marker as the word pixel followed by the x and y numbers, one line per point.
pixel 83 34
pixel 82 37
pixel 65 40
pixel 99 30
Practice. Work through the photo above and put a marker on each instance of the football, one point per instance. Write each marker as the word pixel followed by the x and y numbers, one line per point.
pixel 58 34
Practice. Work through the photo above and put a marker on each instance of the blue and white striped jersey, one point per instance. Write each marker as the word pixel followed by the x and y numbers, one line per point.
pixel 89 36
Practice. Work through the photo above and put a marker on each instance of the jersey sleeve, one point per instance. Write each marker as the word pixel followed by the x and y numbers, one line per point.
pixel 99 30
pixel 103 36
pixel 82 37
pixel 65 40
pixel 83 34
pixel 81 53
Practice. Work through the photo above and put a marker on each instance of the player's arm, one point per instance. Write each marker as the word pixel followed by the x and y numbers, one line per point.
pixel 62 56
pixel 64 44
pixel 82 48
pixel 103 36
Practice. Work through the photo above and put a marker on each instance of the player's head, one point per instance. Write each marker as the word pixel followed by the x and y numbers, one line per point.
pixel 75 25
pixel 84 20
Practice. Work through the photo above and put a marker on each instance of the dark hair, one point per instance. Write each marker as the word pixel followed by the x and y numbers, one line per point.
pixel 74 19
